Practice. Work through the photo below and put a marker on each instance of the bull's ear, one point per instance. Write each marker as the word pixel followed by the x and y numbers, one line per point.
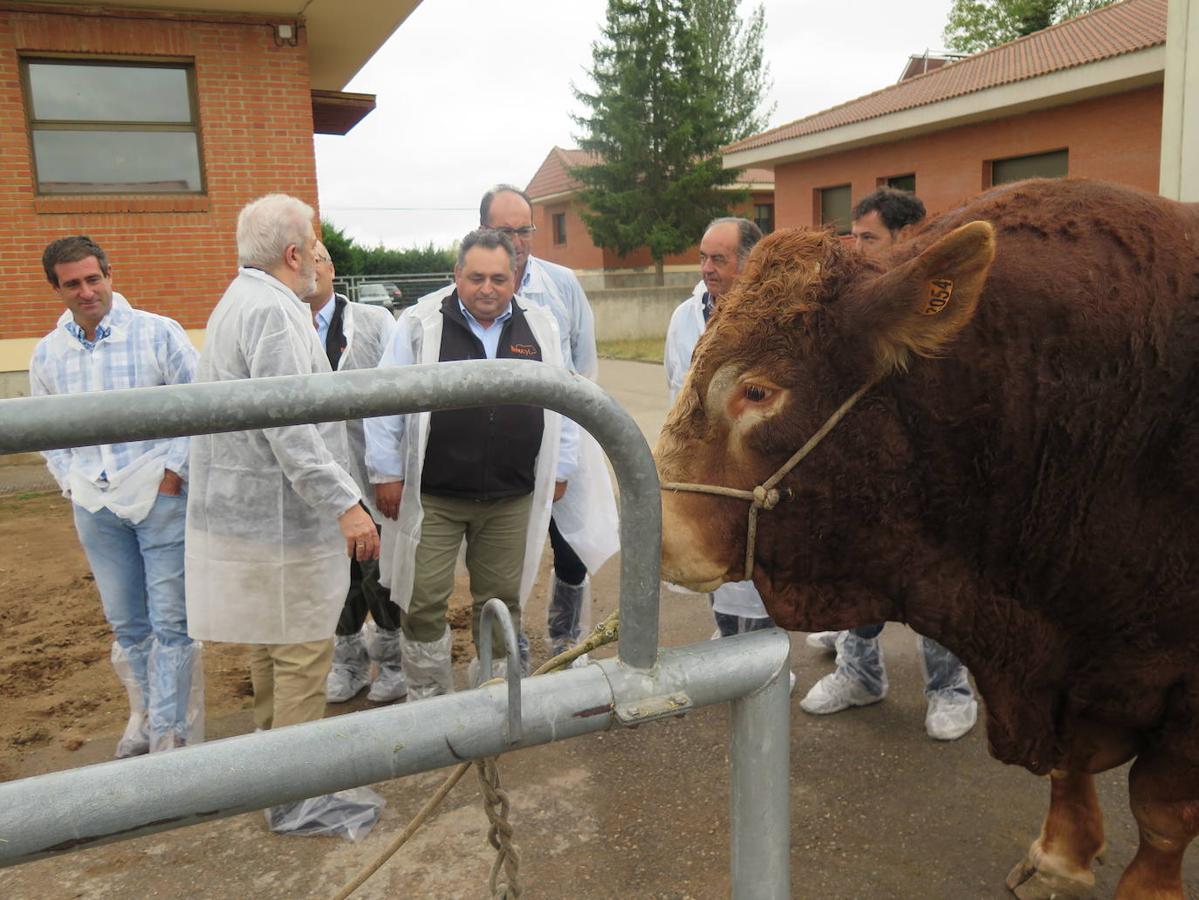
pixel 920 305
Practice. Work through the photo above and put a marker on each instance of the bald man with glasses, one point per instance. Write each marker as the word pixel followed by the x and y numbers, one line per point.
pixel 584 528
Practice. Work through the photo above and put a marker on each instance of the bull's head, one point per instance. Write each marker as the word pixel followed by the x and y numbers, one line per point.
pixel 806 325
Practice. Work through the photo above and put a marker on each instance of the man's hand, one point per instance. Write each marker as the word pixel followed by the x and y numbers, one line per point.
pixel 362 540
pixel 171 483
pixel 559 490
pixel 388 496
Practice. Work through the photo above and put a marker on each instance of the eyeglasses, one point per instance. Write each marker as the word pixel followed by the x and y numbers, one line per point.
pixel 523 232
pixel 322 259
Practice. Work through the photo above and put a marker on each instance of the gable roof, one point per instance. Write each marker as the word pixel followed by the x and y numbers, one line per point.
pixel 553 179
pixel 1104 34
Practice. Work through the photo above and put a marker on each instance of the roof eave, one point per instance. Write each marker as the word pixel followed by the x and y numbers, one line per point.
pixel 755 186
pixel 1126 72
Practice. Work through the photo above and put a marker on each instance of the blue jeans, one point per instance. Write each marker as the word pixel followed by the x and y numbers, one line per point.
pixel 139 570
pixel 861 656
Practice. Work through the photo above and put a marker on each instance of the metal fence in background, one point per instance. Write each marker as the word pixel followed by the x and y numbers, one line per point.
pixel 413 285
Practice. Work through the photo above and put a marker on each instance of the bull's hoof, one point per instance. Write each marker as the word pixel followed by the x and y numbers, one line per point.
pixel 1030 881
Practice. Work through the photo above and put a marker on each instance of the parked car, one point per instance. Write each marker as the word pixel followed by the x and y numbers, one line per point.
pixel 393 291
pixel 374 295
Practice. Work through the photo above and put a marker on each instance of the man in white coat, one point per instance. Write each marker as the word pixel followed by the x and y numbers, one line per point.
pixel 272 513
pixel 354 336
pixel 487 474
pixel 584 529
pixel 726 243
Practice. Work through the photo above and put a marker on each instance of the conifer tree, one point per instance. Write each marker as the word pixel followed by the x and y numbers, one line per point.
pixel 655 123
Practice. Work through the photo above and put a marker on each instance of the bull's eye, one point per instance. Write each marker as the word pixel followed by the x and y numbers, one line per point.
pixel 756 393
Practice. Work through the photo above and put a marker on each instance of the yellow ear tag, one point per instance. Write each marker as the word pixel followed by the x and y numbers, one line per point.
pixel 939 292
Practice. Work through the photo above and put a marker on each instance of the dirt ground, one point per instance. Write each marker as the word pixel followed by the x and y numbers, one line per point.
pixel 58 688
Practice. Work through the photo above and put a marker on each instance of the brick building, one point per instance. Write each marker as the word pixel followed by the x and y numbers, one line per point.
pixel 563 238
pixel 148 125
pixel 1083 98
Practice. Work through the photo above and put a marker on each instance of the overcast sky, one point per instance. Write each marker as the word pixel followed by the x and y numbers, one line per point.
pixel 471 94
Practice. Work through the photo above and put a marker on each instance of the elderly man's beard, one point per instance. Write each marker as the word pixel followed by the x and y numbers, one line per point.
pixel 307 278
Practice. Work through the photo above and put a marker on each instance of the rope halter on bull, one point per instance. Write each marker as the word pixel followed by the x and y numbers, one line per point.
pixel 767 495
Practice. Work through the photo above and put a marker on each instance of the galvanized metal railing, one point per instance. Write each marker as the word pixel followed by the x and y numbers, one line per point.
pixel 62 811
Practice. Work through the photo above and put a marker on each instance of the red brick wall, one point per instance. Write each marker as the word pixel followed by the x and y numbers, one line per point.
pixel 171 254
pixel 1115 138
pixel 580 253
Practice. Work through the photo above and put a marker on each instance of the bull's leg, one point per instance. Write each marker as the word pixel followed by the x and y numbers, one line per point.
pixel 1165 802
pixel 1058 863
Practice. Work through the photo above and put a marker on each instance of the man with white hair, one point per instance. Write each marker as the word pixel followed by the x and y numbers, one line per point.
pixel 273 512
pixel 723 249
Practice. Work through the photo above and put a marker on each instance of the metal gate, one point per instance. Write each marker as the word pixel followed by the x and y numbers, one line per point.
pixel 81 808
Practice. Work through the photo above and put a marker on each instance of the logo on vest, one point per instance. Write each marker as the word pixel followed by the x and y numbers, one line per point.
pixel 522 349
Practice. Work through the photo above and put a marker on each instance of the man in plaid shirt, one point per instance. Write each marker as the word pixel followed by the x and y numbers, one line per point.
pixel 129 498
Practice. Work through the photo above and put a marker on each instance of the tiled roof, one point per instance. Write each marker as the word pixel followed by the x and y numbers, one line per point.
pixel 1105 33
pixel 553 177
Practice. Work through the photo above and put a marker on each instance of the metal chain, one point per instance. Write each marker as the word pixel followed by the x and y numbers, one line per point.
pixel 507 857
pixel 605 632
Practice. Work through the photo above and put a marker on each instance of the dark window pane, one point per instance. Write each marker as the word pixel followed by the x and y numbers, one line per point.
pixel 834 208
pixel 903 183
pixel 559 228
pixel 764 217
pixel 101 162
pixel 1038 165
pixel 63 92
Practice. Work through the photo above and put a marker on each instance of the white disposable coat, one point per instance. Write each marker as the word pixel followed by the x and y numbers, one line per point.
pixel 418 337
pixel 739 598
pixel 265 559
pixel 586 516
pixel 367 331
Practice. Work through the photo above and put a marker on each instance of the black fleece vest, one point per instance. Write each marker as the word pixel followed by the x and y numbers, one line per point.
pixel 490 452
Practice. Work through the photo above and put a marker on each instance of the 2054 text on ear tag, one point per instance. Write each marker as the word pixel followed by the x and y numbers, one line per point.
pixel 939 292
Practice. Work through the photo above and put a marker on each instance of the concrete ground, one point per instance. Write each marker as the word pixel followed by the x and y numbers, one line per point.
pixel 878 809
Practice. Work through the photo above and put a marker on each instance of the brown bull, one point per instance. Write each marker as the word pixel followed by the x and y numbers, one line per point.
pixel 1020 482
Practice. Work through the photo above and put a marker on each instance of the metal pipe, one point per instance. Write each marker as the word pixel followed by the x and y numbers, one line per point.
pixel 79 808
pixel 100 417
pixel 496 610
pixel 760 809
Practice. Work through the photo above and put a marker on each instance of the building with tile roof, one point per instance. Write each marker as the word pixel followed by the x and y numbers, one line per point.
pixel 149 124
pixel 563 238
pixel 1081 98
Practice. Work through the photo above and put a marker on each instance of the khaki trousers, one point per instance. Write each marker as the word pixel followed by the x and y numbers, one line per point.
pixel 495 532
pixel 289 682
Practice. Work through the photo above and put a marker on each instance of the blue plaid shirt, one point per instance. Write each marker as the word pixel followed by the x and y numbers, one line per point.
pixel 131 348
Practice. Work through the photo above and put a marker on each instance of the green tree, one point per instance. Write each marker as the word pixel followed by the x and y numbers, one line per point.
pixel 659 114
pixel 975 25
pixel 730 50
pixel 382 260
pixel 346 255
pixel 351 258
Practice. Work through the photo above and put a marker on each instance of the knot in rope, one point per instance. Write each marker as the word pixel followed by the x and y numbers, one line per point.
pixel 766 498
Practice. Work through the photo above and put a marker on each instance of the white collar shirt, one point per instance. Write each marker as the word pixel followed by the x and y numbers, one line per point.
pixel 131 348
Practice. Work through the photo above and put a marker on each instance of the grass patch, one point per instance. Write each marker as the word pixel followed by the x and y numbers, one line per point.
pixel 641 349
